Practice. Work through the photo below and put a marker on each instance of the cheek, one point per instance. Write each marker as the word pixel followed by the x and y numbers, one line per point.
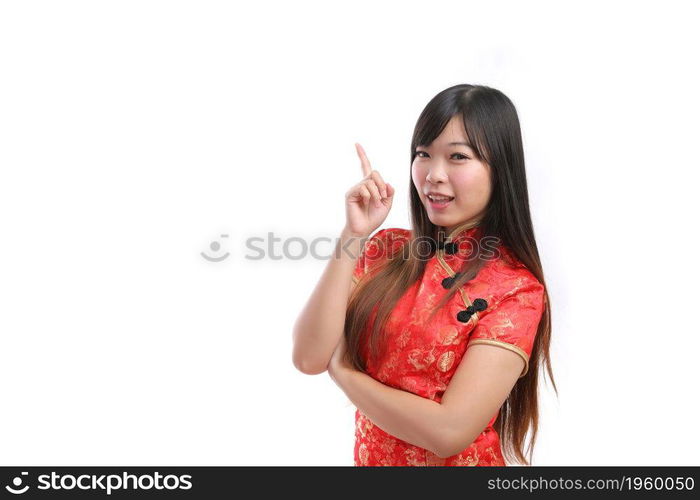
pixel 463 182
pixel 471 185
pixel 417 175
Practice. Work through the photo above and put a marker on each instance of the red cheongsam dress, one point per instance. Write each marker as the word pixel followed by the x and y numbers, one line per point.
pixel 422 356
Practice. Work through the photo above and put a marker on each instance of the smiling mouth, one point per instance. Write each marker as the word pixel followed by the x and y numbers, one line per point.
pixel 442 199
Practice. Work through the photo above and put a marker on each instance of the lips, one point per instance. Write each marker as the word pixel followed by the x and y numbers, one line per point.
pixel 440 198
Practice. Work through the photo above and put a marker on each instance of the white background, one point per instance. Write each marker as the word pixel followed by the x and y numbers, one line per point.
pixel 133 134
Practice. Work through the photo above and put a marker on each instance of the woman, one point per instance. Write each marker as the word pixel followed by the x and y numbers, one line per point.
pixel 436 334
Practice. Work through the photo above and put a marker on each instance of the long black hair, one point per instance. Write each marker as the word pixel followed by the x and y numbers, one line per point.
pixel 493 128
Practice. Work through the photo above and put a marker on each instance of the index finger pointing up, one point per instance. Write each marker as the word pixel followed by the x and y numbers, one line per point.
pixel 366 168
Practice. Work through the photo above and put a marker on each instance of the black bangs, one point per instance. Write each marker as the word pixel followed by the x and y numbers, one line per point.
pixel 433 120
pixel 440 110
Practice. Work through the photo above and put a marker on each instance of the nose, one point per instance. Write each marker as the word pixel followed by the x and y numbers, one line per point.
pixel 436 173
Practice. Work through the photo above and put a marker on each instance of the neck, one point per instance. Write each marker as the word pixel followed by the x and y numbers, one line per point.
pixel 455 230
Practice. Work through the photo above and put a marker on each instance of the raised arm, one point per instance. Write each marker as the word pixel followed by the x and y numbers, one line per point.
pixel 319 327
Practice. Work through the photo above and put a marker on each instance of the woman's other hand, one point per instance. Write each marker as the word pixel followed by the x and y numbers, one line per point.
pixel 338 363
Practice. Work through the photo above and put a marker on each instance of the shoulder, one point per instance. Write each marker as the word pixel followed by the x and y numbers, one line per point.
pixel 379 248
pixel 515 305
pixel 508 276
pixel 386 240
pixel 391 233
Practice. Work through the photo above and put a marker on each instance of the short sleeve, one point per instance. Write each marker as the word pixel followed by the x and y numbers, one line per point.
pixel 378 248
pixel 513 322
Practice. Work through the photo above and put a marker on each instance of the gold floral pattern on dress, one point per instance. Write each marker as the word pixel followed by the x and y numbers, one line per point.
pixel 422 356
pixel 412 456
pixel 448 334
pixel 445 361
pixel 363 454
pixel 498 329
pixel 402 339
pixel 431 459
pixel 420 359
pixel 466 461
pixel 490 454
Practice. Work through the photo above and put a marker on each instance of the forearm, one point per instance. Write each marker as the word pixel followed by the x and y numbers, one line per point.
pixel 320 325
pixel 402 414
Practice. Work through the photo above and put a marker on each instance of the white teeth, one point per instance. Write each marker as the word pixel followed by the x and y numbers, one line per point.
pixel 433 198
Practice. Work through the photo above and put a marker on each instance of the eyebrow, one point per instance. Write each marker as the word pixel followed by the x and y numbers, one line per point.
pixel 453 144
pixel 460 144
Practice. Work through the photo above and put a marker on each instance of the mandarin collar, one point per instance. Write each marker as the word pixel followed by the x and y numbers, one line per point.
pixel 450 244
pixel 463 230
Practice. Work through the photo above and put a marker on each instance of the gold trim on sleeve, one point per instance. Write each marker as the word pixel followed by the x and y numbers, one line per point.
pixel 505 345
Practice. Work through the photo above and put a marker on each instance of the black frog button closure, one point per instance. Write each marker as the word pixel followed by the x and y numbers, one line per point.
pixel 450 247
pixel 449 281
pixel 477 305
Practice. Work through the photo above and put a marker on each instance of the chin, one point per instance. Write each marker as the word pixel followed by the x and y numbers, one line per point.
pixel 439 220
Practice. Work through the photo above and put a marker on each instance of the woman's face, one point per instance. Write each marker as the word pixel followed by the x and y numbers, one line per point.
pixel 447 166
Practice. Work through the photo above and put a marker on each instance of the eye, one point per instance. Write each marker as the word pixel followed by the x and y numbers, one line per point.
pixel 459 155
